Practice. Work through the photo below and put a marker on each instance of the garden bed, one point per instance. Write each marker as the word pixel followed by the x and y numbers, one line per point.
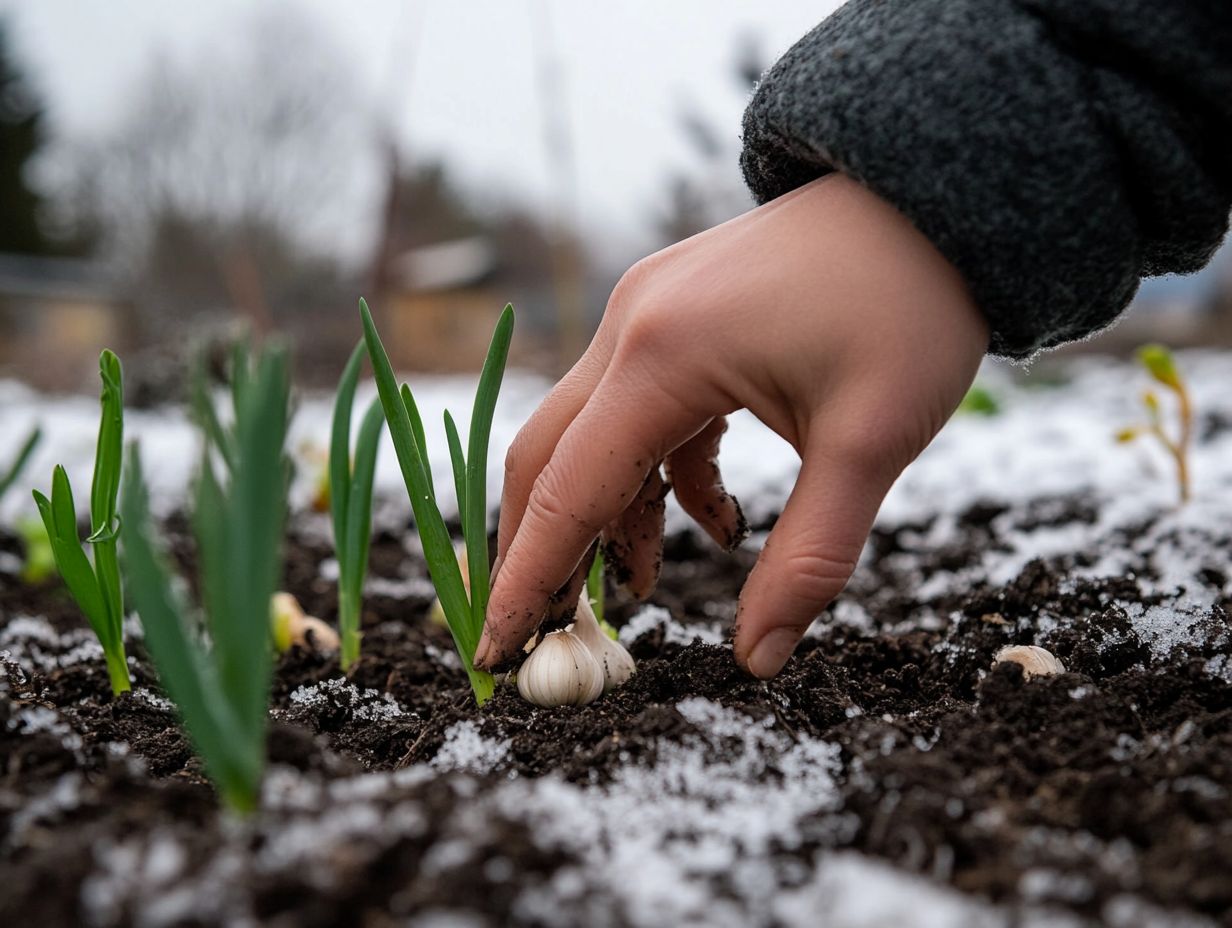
pixel 890 775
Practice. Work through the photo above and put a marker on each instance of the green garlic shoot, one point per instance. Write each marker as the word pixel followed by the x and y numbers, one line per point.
pixel 464 608
pixel 350 501
pixel 95 587
pixel 596 593
pixel 221 690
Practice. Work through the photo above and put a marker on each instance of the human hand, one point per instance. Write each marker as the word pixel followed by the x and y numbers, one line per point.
pixel 828 316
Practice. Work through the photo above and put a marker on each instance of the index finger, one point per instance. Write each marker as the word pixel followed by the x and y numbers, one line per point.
pixel 598 466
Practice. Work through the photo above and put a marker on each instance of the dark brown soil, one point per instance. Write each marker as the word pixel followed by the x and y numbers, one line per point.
pixel 1113 777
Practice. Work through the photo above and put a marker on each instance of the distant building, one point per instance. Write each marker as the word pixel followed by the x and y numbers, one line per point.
pixel 56 314
pixel 444 302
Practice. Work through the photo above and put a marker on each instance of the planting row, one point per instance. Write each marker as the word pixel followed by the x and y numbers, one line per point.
pixel 215 658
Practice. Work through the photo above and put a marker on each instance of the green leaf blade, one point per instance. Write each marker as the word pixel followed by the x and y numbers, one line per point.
pixel 475 525
pixel 207 416
pixel 359 521
pixel 340 453
pixel 458 459
pixel 110 450
pixel 1160 364
pixel 183 667
pixel 255 518
pixel 60 519
pixel 438 549
pixel 20 461
pixel 421 440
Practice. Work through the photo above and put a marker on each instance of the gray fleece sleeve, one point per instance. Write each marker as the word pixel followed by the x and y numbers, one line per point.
pixel 1055 151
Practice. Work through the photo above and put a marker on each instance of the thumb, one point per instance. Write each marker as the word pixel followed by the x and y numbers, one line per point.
pixel 808 558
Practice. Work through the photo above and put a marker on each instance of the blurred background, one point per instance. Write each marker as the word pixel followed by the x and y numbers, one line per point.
pixel 173 173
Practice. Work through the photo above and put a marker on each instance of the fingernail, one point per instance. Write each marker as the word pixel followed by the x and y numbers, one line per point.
pixel 770 654
pixel 741 529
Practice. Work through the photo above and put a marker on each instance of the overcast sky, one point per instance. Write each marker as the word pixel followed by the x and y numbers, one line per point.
pixel 458 78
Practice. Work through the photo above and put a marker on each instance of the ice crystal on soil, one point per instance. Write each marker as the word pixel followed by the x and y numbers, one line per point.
pixel 466 749
pixel 367 705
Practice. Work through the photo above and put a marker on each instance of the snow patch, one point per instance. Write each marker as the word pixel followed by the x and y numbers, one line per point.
pixel 847 890
pixel 661 838
pixel 655 618
pixel 367 705
pixel 466 749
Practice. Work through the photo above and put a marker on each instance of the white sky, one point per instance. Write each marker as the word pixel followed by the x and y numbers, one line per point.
pixel 459 78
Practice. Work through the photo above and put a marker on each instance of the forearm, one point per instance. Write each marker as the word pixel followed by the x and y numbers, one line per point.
pixel 1054 152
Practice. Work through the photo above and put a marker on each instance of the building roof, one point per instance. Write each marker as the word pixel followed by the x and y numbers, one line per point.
pixel 446 265
pixel 55 278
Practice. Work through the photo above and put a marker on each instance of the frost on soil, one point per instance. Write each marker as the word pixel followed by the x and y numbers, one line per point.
pixel 651 846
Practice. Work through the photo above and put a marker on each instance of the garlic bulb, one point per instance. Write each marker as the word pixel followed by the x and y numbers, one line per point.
pixel 560 672
pixel 292 627
pixel 617 663
pixel 1035 661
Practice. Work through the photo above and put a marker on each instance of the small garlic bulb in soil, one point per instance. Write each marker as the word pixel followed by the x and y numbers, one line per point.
pixel 292 627
pixel 617 663
pixel 1035 661
pixel 561 671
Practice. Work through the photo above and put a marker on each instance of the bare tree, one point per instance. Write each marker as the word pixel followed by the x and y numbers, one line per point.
pixel 231 163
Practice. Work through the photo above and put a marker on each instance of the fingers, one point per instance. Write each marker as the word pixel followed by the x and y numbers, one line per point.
pixel 693 471
pixel 599 466
pixel 563 602
pixel 633 544
pixel 532 448
pixel 807 559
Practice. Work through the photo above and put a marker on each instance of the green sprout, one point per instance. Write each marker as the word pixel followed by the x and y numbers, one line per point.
pixel 350 496
pixel 979 401
pixel 9 476
pixel 464 614
pixel 222 438
pixel 40 562
pixel 96 588
pixel 594 586
pixel 1161 365
pixel 222 693
pixel 595 592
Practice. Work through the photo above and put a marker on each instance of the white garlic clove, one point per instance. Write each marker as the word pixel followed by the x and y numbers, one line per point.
pixel 614 659
pixel 560 672
pixel 1035 661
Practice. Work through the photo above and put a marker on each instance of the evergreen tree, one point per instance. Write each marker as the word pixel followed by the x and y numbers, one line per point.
pixel 21 120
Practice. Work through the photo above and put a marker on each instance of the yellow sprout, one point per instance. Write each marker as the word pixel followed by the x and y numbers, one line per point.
pixel 1161 365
